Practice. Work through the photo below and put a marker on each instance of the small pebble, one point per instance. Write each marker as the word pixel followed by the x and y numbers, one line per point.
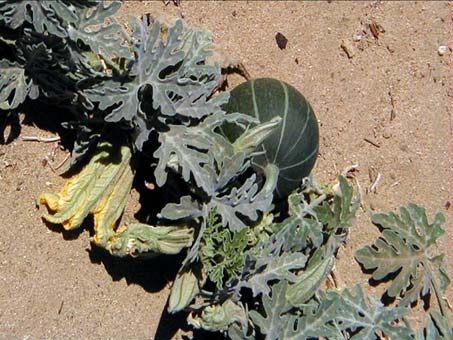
pixel 442 50
pixel 357 36
pixel 386 134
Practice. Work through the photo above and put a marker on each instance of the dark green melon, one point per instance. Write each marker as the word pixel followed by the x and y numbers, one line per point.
pixel 293 147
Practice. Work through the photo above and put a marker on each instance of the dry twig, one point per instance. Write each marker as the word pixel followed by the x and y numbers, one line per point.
pixel 40 139
pixel 59 165
pixel 375 183
pixel 371 142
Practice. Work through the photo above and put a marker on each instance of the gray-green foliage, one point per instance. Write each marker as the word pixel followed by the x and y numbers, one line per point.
pixel 407 249
pixel 46 55
pixel 285 267
pixel 78 54
pixel 330 315
pixel 275 254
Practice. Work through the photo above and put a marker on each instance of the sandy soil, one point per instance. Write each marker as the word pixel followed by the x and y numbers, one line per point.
pixel 394 91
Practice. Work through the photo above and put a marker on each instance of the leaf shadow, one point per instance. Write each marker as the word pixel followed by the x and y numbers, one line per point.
pixel 46 116
pixel 51 121
pixel 68 235
pixel 73 234
pixel 385 299
pixel 9 127
pixel 169 324
pixel 152 274
pixel 152 198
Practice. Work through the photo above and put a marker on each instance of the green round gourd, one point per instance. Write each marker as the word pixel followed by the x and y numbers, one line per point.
pixel 293 147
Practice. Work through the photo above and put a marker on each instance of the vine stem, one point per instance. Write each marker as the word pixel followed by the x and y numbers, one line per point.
pixel 318 200
pixel 40 139
pixel 441 302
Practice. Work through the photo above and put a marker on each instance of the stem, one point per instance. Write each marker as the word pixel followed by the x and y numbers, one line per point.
pixel 440 300
pixel 318 201
pixel 251 138
pixel 271 173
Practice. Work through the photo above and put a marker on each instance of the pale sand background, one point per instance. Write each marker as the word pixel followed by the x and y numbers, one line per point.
pixel 52 288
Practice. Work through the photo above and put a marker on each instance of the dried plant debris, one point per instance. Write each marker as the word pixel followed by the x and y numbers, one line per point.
pixel 375 29
pixel 348 49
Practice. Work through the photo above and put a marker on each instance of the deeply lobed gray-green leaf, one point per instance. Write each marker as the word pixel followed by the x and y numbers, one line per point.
pixel 195 151
pixel 14 86
pixel 201 154
pixel 46 15
pixel 103 38
pixel 436 328
pixel 272 263
pixel 247 200
pixel 406 250
pixel 278 267
pixel 274 322
pixel 188 150
pixel 316 320
pixel 167 78
pixel 328 316
pixel 302 216
pixel 368 320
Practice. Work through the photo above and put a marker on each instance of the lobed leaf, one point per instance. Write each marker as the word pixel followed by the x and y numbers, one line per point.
pixel 103 38
pixel 14 87
pixel 274 322
pixel 166 78
pixel 436 328
pixel 187 148
pixel 272 264
pixel 45 16
pixel 303 217
pixel 246 201
pixel 405 250
pixel 329 316
pixel 367 321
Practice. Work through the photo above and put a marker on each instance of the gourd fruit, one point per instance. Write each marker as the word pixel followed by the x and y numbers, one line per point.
pixel 293 147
